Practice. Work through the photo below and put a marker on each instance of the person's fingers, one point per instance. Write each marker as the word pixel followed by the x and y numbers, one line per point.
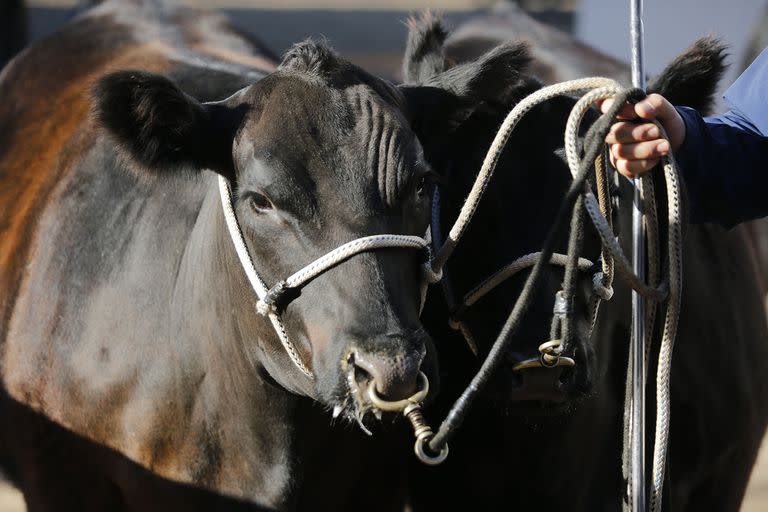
pixel 640 150
pixel 655 106
pixel 626 112
pixel 630 168
pixel 625 133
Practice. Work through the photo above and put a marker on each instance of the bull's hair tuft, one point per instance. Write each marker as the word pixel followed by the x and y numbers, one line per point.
pixel 692 78
pixel 311 57
pixel 424 52
pixel 152 121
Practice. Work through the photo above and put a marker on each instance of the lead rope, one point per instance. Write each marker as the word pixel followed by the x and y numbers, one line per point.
pixel 613 258
pixel 674 247
pixel 270 299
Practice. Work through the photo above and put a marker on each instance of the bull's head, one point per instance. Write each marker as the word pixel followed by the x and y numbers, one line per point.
pixel 318 153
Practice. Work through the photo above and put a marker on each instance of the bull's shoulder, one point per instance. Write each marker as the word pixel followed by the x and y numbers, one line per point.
pixel 45 124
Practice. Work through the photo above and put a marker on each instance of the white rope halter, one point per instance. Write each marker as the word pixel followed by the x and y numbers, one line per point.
pixel 266 305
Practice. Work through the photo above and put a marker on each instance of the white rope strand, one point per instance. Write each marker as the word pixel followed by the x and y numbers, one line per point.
pixel 236 234
pixel 497 146
pixel 349 249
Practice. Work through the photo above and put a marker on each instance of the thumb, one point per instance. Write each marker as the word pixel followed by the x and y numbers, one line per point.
pixel 655 106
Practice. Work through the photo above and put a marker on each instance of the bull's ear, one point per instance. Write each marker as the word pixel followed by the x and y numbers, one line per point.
pixel 691 79
pixel 495 77
pixel 442 102
pixel 441 96
pixel 424 50
pixel 162 130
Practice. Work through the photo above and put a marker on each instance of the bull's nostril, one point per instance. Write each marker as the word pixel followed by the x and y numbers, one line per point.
pixel 395 376
pixel 362 376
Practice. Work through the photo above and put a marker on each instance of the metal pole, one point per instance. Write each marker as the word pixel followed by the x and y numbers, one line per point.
pixel 638 305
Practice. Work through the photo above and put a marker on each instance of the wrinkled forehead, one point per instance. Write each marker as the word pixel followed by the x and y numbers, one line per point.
pixel 383 143
pixel 330 109
pixel 352 128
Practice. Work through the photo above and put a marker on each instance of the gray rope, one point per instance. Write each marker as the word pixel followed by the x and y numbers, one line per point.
pixel 458 412
pixel 612 253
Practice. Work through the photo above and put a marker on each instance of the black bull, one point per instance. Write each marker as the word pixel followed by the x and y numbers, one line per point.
pixel 280 451
pixel 136 373
pixel 528 454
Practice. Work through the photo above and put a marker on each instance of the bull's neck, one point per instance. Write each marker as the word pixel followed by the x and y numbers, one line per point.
pixel 239 412
pixel 259 425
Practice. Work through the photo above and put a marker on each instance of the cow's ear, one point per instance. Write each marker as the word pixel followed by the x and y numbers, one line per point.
pixel 440 96
pixel 162 130
pixel 692 78
pixel 440 103
pixel 424 50
pixel 496 77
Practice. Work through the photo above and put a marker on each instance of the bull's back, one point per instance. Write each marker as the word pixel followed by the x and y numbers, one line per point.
pixel 45 126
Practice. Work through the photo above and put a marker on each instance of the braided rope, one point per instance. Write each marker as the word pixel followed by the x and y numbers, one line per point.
pixel 494 153
pixel 664 367
pixel 349 249
pixel 236 234
pixel 613 258
pixel 509 270
pixel 674 246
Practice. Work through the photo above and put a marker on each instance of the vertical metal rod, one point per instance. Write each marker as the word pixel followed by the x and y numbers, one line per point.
pixel 638 305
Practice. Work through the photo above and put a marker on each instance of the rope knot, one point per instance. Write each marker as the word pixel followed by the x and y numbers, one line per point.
pixel 263 308
pixel 269 303
pixel 602 291
pixel 563 304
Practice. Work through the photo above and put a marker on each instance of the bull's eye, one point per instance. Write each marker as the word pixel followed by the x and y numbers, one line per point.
pixel 421 188
pixel 426 184
pixel 259 202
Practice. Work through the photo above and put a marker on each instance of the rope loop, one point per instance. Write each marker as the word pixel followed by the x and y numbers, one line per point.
pixel 579 195
pixel 599 287
pixel 430 274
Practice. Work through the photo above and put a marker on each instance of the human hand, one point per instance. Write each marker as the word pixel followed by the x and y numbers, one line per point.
pixel 637 148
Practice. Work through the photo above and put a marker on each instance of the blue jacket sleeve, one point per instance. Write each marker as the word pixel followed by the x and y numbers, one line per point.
pixel 724 159
pixel 724 169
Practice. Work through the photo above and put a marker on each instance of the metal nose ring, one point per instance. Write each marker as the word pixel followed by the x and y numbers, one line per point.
pixel 399 405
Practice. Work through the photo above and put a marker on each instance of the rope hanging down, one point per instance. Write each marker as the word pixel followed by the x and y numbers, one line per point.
pixel 596 89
